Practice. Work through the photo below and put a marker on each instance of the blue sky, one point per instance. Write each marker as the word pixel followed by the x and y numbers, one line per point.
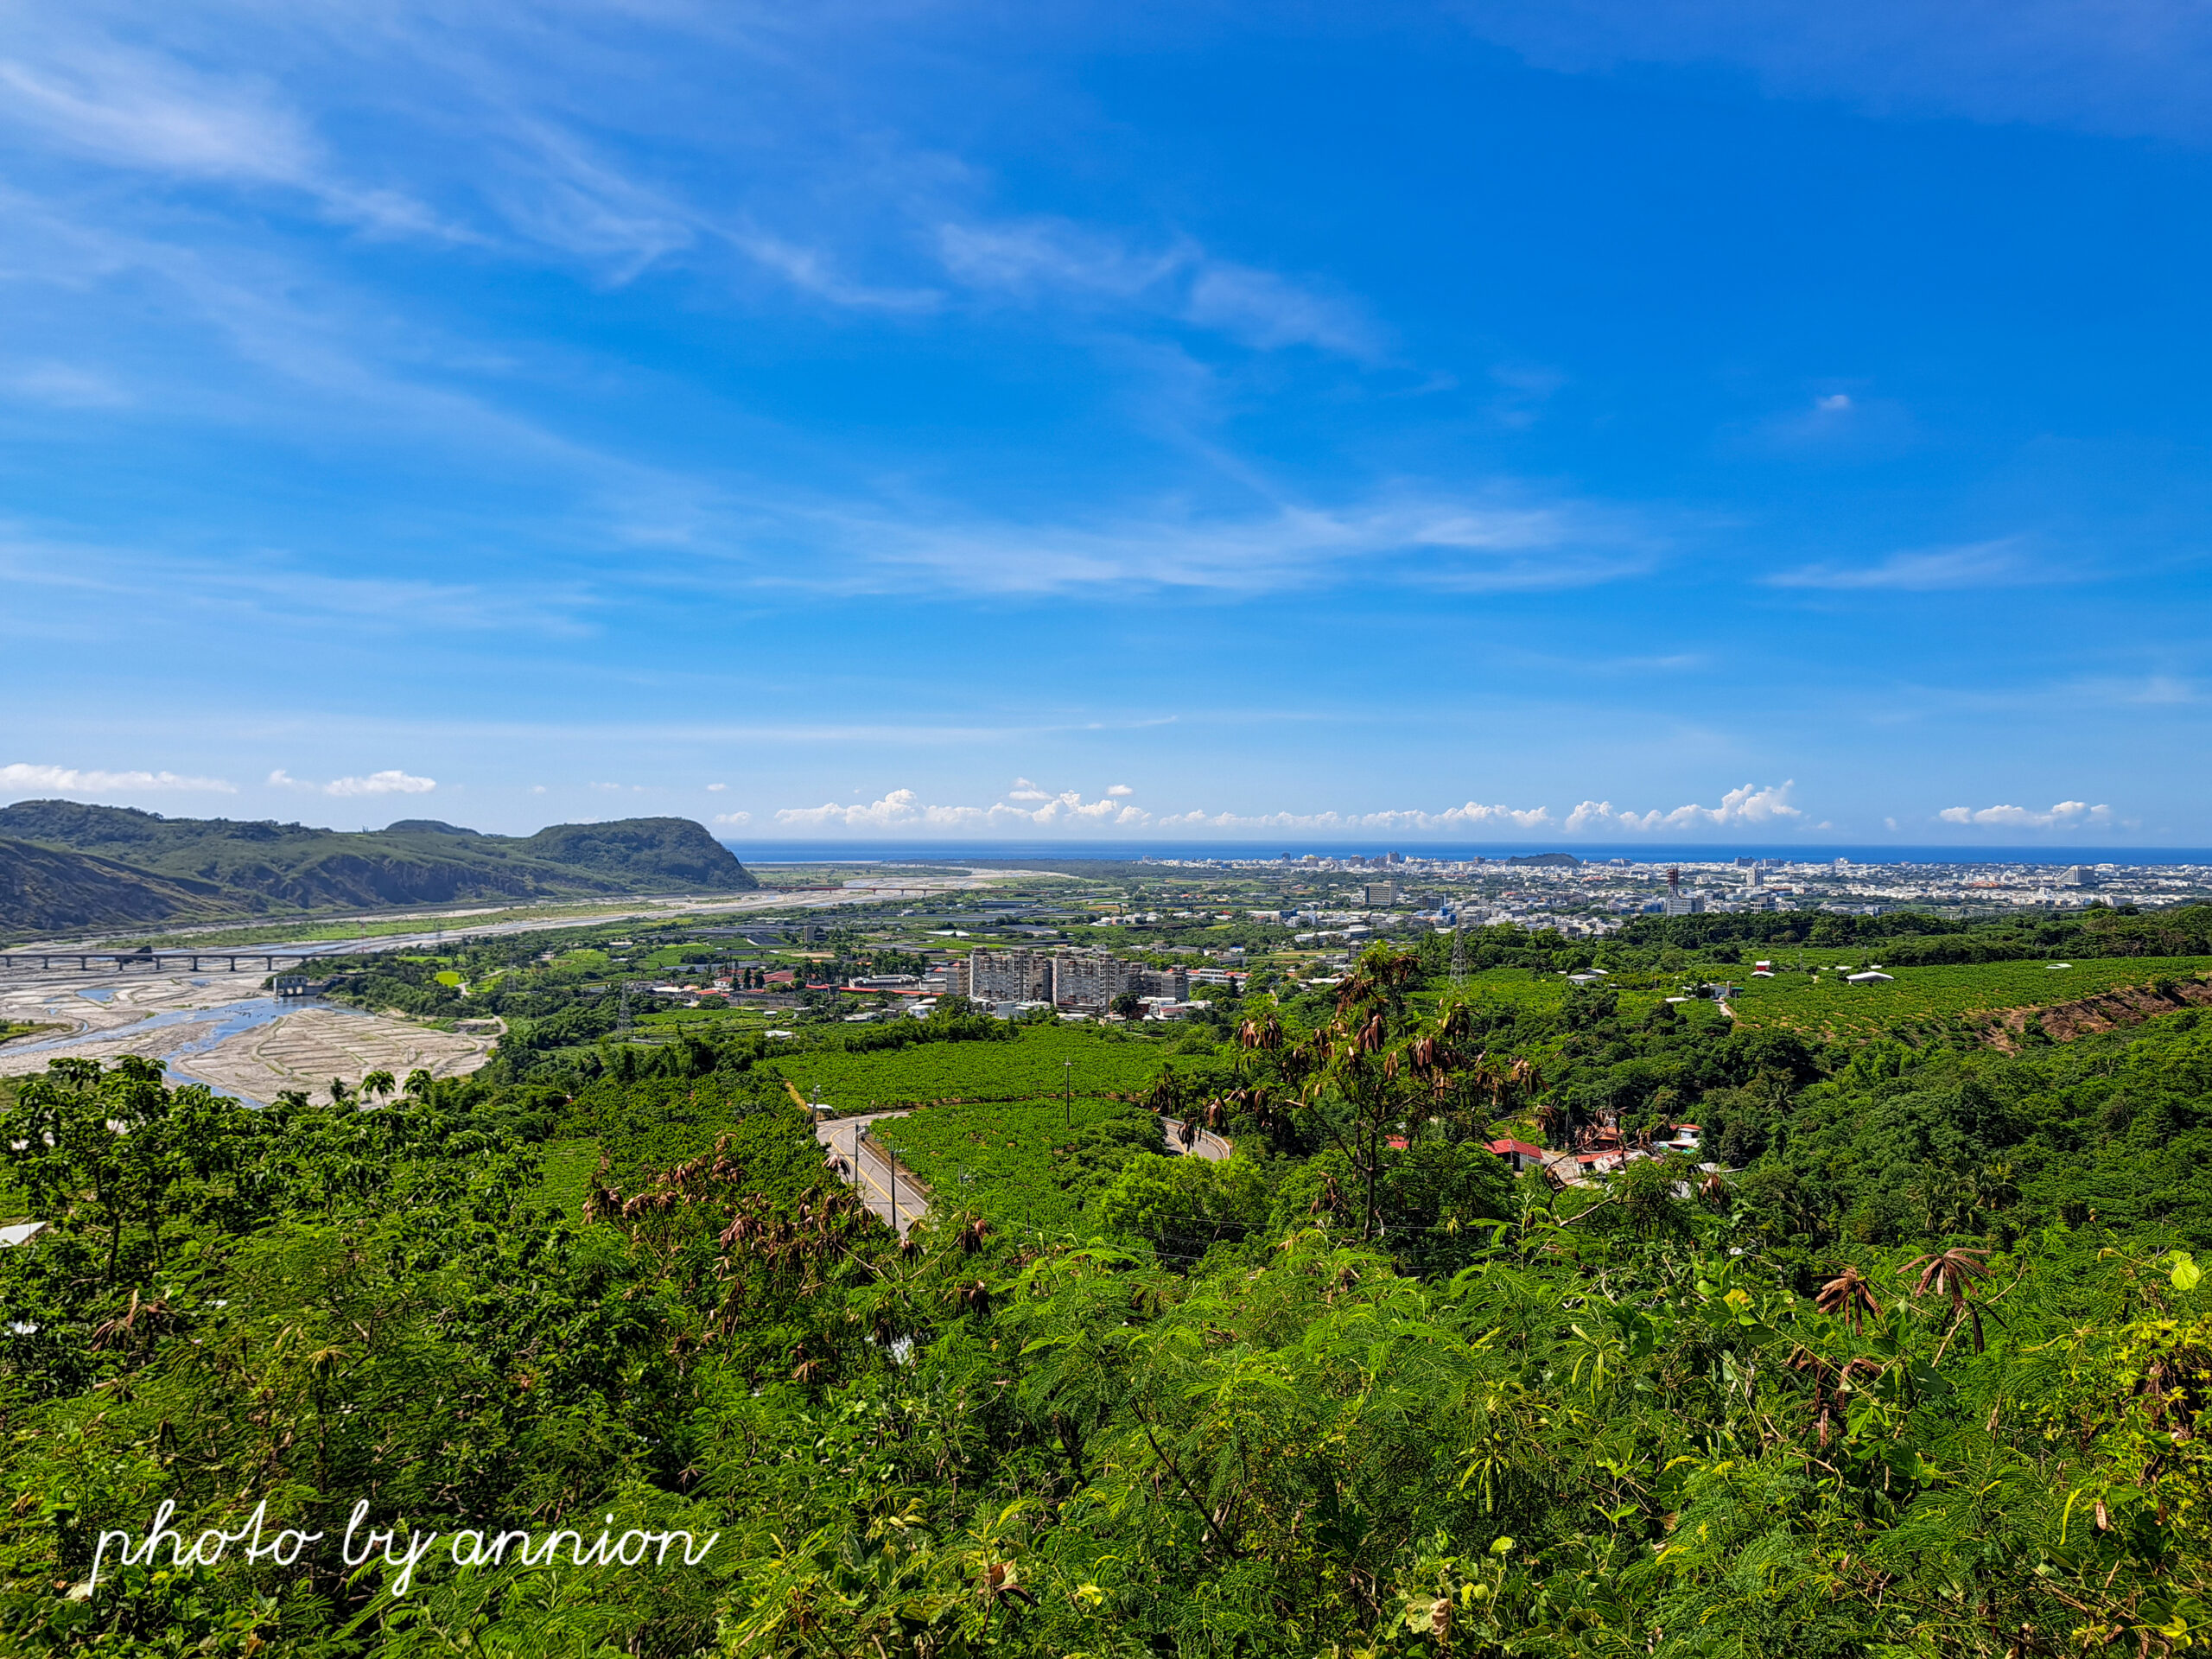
pixel 1494 421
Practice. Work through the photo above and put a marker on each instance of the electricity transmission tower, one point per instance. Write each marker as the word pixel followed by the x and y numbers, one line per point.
pixel 1458 953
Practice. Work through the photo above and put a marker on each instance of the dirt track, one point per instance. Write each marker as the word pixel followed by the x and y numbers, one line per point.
pixel 2062 1023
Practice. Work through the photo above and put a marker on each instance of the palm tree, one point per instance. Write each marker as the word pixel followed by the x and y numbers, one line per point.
pixel 1849 1296
pixel 417 1086
pixel 1265 1033
pixel 379 1084
pixel 1951 1273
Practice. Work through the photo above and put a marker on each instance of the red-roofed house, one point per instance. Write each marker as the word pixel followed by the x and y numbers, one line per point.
pixel 1519 1154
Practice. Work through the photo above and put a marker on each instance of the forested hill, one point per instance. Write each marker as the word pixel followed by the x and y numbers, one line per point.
pixel 63 865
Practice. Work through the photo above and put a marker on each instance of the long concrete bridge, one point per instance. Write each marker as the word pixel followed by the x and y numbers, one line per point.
pixel 86 962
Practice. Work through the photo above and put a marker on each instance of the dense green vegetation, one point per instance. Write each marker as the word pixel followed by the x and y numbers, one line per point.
pixel 1912 936
pixel 1927 1374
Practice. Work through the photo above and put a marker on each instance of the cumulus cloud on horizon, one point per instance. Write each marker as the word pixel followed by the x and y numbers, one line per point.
pixel 1473 815
pixel 904 809
pixel 71 780
pixel 389 782
pixel 1749 804
pixel 2064 815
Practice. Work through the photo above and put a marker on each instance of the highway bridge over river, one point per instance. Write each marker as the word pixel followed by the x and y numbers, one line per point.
pixel 264 961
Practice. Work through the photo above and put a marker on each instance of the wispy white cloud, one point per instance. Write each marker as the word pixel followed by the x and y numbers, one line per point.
pixel 2066 814
pixel 812 270
pixel 138 109
pixel 1746 804
pixel 73 780
pixel 1041 260
pixel 1475 543
pixel 1263 309
pixel 1031 258
pixel 390 782
pixel 134 108
pixel 2140 68
pixel 1999 563
pixel 560 192
pixel 63 385
pixel 273 587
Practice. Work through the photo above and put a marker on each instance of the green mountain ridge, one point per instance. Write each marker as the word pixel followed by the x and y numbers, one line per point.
pixel 65 865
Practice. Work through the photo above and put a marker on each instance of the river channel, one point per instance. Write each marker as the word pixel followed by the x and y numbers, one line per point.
pixel 212 1026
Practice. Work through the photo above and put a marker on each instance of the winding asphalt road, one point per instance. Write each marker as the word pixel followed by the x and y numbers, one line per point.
pixel 889 1192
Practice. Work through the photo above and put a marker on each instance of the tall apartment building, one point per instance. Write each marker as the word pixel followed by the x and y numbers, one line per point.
pixel 1010 975
pixel 1081 980
pixel 1161 981
pixel 1069 979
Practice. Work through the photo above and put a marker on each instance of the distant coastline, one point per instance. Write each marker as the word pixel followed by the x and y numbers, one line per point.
pixel 910 851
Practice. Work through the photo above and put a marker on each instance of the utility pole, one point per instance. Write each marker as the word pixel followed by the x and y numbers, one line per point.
pixel 1067 1094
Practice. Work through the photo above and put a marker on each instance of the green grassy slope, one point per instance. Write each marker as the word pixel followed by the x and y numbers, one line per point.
pixel 1040 1062
pixel 67 865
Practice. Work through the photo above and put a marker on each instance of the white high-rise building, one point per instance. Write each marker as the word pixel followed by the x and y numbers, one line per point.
pixel 1019 976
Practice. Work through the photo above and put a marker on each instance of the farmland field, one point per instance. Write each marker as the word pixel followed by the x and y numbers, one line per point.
pixel 1826 1005
pixel 1519 986
pixel 1525 988
pixel 1032 1064
pixel 1017 1161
